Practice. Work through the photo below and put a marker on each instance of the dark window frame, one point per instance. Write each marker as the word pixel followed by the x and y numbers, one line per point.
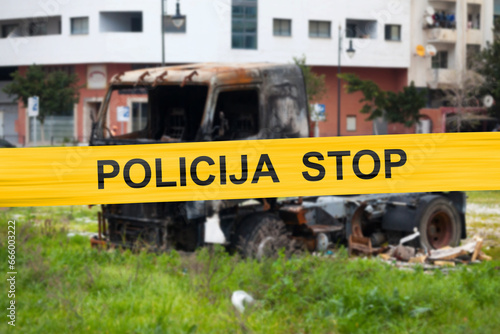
pixel 9 28
pixel 38 28
pixel 361 28
pixel 244 24
pixel 282 31
pixel 315 25
pixel 73 20
pixel 238 119
pixel 140 108
pixel 440 60
pixel 388 32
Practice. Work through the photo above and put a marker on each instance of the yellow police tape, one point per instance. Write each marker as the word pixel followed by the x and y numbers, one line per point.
pixel 249 169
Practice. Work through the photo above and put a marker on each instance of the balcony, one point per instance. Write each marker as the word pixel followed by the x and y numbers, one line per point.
pixel 474 36
pixel 441 35
pixel 441 77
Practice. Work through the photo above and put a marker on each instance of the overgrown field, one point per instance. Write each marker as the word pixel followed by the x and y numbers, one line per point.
pixel 64 286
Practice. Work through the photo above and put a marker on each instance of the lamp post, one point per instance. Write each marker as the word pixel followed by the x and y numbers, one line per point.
pixel 350 52
pixel 177 20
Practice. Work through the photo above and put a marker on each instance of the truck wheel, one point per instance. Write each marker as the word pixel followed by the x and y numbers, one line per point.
pixel 439 224
pixel 262 236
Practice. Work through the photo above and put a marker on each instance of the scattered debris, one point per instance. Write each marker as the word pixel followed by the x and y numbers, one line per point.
pixel 410 237
pixel 418 259
pixel 406 256
pixel 240 298
pixel 404 253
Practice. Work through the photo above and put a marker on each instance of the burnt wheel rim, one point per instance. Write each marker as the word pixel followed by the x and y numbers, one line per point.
pixel 439 230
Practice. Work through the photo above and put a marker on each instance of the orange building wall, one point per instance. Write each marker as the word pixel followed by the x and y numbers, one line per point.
pixel 386 78
pixel 86 93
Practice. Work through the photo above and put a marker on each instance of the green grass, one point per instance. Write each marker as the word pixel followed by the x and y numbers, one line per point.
pixel 484 220
pixel 484 197
pixel 64 286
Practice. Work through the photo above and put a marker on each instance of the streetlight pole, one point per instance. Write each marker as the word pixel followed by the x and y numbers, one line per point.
pixel 338 81
pixel 162 33
pixel 350 52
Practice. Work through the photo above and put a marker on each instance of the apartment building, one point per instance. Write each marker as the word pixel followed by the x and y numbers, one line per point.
pixel 448 33
pixel 97 39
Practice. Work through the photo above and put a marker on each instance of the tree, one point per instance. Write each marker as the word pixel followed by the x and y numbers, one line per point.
pixel 463 96
pixel 487 64
pixel 401 107
pixel 57 91
pixel 315 84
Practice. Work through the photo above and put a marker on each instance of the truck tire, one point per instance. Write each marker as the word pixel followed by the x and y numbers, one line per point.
pixel 439 224
pixel 261 235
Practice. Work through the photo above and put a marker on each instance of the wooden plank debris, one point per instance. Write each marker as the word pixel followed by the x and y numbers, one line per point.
pixel 452 253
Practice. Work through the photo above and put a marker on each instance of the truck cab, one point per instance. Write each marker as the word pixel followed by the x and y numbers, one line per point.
pixel 196 103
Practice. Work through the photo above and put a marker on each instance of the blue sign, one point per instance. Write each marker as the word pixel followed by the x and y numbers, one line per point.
pixel 318 113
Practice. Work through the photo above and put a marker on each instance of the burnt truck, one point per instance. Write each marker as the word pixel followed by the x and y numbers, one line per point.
pixel 230 102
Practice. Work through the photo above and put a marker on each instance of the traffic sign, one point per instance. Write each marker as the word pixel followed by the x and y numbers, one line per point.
pixel 122 114
pixel 33 106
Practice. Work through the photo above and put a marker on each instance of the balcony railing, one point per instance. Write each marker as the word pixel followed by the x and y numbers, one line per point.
pixel 441 77
pixel 474 36
pixel 441 35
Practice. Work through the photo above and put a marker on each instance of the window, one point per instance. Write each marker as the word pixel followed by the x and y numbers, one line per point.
pixel 79 25
pixel 38 28
pixel 30 26
pixel 244 24
pixel 237 114
pixel 120 22
pixel 361 28
pixel 392 32
pixel 351 123
pixel 440 60
pixel 139 115
pixel 136 23
pixel 8 29
pixel 320 29
pixel 282 27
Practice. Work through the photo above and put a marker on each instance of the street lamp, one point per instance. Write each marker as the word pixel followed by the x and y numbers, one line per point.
pixel 177 20
pixel 350 52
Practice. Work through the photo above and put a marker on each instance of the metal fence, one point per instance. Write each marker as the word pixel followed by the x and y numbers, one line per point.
pixel 56 130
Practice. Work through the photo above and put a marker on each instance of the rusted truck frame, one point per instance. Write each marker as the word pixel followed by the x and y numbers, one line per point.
pixel 208 102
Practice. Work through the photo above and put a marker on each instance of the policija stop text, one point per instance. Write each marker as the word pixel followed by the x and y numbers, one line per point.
pixel 315 167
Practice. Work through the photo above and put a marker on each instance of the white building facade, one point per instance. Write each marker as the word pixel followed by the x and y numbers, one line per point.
pixel 97 39
pixel 53 32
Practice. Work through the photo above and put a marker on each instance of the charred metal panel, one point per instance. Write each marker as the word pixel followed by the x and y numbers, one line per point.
pixel 285 110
